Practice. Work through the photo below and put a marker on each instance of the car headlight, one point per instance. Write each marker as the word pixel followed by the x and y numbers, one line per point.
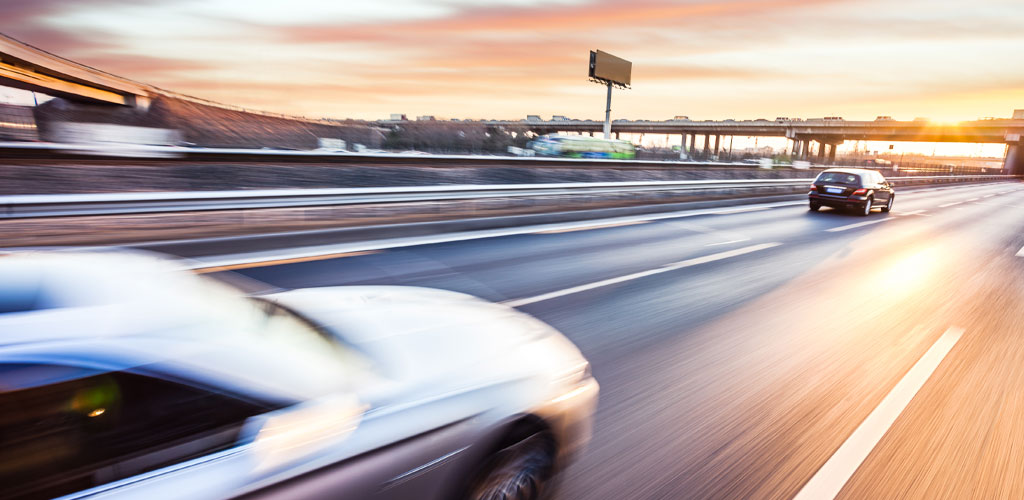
pixel 292 433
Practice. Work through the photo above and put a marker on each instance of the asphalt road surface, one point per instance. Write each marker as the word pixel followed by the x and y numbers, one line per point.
pixel 770 352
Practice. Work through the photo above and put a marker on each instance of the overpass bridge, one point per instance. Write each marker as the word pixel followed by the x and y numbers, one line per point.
pixel 26 67
pixel 826 134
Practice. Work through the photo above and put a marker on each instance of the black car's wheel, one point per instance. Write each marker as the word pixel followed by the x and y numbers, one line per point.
pixel 814 206
pixel 888 206
pixel 517 472
pixel 866 209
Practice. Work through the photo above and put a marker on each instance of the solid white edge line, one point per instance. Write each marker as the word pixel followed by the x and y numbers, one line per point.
pixel 834 474
pixel 856 225
pixel 1021 252
pixel 950 204
pixel 663 269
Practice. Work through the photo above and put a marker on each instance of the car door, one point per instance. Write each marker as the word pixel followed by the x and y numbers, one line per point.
pixel 73 432
pixel 881 189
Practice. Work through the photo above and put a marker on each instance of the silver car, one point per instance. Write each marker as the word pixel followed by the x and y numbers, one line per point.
pixel 123 376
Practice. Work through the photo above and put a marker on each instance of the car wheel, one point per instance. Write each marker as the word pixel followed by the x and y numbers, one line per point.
pixel 815 206
pixel 517 472
pixel 888 206
pixel 866 209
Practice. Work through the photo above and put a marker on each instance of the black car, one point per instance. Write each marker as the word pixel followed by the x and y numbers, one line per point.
pixel 851 188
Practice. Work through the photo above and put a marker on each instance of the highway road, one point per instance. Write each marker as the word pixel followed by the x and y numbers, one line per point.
pixel 768 351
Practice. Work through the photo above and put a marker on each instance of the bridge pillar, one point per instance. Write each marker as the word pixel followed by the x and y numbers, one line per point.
pixel 1014 162
pixel 707 145
pixel 717 148
pixel 821 152
pixel 832 153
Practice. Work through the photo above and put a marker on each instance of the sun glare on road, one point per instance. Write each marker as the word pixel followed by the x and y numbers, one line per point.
pixel 907 275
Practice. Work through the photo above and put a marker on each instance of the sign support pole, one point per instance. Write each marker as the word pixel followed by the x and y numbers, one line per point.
pixel 608 114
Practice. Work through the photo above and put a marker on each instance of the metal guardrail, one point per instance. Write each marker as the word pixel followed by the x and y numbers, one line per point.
pixel 59 205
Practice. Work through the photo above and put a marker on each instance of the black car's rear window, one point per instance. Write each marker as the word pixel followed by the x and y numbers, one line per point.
pixel 839 178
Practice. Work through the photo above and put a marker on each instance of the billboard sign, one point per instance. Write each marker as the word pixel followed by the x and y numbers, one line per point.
pixel 608 68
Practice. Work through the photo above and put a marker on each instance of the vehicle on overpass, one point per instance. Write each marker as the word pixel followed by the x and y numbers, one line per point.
pixel 122 376
pixel 851 189
pixel 581 146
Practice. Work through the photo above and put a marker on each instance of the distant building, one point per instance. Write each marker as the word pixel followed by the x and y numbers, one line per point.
pixel 426 118
pixel 559 118
pixel 533 118
pixel 398 117
pixel 681 117
pixel 1018 114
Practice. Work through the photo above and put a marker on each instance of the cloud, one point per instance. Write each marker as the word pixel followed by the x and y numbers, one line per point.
pixel 735 58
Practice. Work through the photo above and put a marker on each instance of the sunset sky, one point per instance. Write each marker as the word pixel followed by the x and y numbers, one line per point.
pixel 739 59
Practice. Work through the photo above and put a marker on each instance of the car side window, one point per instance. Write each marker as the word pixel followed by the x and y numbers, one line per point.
pixel 63 434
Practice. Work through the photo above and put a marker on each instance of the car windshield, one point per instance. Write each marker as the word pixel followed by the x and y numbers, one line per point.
pixel 839 178
pixel 305 361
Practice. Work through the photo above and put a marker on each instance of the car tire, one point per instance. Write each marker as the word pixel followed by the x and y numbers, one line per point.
pixel 888 205
pixel 517 472
pixel 814 206
pixel 865 210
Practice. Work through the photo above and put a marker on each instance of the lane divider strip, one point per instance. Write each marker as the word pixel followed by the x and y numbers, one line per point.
pixel 663 269
pixel 854 226
pixel 834 474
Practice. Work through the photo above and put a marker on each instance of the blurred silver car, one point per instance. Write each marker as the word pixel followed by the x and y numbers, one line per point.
pixel 123 376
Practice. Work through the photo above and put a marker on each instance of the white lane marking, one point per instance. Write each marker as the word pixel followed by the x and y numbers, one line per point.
pixel 408 241
pixel 727 242
pixel 643 274
pixel 915 212
pixel 1021 252
pixel 740 210
pixel 831 477
pixel 972 199
pixel 853 226
pixel 588 228
pixel 950 204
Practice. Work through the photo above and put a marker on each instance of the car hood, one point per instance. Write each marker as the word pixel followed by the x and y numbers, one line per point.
pixel 422 333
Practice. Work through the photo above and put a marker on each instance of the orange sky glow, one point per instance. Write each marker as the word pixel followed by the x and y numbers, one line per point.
pixel 741 59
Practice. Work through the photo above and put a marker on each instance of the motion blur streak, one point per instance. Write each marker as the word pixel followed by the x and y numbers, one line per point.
pixel 740 378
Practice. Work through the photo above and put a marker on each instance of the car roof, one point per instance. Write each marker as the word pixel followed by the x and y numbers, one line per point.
pixel 121 311
pixel 850 170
